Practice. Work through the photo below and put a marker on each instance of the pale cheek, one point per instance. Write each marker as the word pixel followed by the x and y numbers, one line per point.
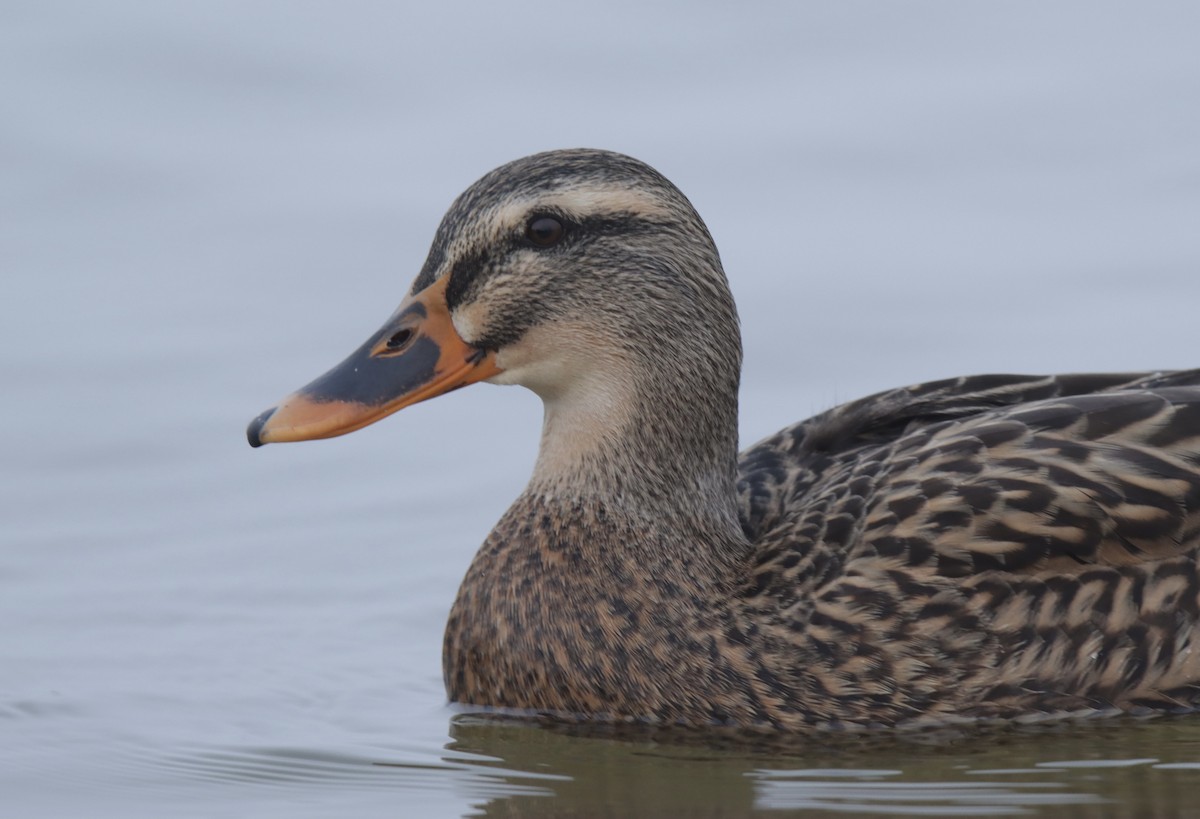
pixel 550 370
pixel 505 378
pixel 520 367
pixel 468 322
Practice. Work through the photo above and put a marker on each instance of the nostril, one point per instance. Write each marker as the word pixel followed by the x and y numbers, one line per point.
pixel 400 339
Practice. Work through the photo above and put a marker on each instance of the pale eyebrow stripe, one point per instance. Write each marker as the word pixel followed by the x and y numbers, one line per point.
pixel 584 203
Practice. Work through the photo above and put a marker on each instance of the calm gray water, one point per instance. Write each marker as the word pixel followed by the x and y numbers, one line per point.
pixel 202 206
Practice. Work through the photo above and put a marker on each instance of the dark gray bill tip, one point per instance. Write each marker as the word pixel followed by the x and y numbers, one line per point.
pixel 254 431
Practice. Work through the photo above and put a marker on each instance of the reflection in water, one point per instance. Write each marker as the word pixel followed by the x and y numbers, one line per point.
pixel 609 777
pixel 798 790
pixel 1048 771
pixel 508 767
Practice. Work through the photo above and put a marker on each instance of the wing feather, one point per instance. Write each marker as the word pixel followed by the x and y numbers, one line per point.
pixel 1021 474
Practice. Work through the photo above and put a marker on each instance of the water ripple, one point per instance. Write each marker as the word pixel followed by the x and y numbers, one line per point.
pixel 851 791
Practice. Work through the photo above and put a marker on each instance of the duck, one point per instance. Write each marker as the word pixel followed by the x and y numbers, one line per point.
pixel 984 548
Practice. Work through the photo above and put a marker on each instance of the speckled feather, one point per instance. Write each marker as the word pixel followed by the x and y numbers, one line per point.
pixel 986 547
pixel 989 546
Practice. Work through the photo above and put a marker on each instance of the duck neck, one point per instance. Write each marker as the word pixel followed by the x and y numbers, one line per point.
pixel 664 453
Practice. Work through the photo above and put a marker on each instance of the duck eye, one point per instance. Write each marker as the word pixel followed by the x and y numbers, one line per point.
pixel 544 231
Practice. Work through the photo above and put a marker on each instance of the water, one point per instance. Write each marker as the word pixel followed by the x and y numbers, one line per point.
pixel 203 206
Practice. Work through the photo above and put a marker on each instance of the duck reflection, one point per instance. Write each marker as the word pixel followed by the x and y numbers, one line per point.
pixel 527 769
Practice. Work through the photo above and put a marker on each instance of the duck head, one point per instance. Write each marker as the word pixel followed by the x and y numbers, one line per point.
pixel 583 275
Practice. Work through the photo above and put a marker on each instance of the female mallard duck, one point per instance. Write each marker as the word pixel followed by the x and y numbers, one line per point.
pixel 986 547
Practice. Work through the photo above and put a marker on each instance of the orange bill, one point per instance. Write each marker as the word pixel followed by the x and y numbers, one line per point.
pixel 417 355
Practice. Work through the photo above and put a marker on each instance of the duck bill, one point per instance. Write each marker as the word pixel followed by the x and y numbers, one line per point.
pixel 416 355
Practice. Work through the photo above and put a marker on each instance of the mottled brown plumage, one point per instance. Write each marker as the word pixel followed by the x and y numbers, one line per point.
pixel 987 547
